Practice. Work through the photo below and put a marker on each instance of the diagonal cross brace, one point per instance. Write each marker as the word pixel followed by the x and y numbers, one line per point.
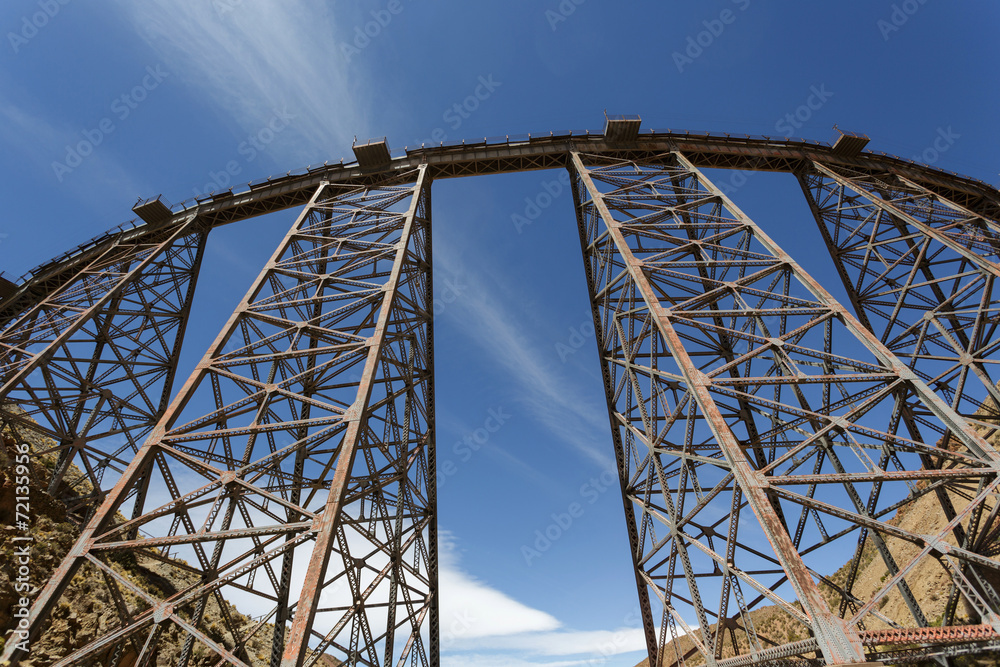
pixel 187 227
pixel 131 477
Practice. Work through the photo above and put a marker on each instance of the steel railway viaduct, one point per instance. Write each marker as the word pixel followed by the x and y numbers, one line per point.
pixel 765 434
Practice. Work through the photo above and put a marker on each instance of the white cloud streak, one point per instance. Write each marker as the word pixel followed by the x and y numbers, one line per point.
pixel 568 643
pixel 253 59
pixel 554 401
pixel 482 626
pixel 471 609
pixel 478 660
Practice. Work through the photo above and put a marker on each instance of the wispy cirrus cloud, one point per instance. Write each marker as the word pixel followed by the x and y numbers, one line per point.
pixel 253 59
pixel 555 402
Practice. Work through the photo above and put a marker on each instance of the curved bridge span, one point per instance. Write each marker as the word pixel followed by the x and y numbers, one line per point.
pixel 513 153
pixel 773 445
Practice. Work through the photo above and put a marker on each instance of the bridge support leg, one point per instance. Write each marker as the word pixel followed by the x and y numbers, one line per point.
pixel 921 271
pixel 305 435
pixel 744 431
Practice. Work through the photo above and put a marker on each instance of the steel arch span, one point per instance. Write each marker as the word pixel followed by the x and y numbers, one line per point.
pixel 761 429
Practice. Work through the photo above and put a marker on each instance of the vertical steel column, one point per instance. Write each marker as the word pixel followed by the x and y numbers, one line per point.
pixel 723 381
pixel 398 324
pixel 308 419
pixel 622 462
pixel 92 364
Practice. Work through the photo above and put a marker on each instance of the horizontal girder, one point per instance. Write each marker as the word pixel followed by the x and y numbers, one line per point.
pixel 704 150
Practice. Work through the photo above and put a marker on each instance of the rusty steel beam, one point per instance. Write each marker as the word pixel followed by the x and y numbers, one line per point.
pixel 724 388
pixel 622 463
pixel 329 526
pixel 545 151
pixel 836 644
pixel 920 270
pixel 308 429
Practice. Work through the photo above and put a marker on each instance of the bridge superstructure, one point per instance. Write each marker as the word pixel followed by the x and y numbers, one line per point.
pixel 764 433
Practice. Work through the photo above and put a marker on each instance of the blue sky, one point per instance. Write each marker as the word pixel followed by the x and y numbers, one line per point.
pixel 183 97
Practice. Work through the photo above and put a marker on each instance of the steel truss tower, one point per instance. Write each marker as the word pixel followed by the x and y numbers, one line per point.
pixel 765 434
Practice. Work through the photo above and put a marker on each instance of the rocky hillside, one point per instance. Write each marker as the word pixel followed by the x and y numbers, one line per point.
pixel 87 608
